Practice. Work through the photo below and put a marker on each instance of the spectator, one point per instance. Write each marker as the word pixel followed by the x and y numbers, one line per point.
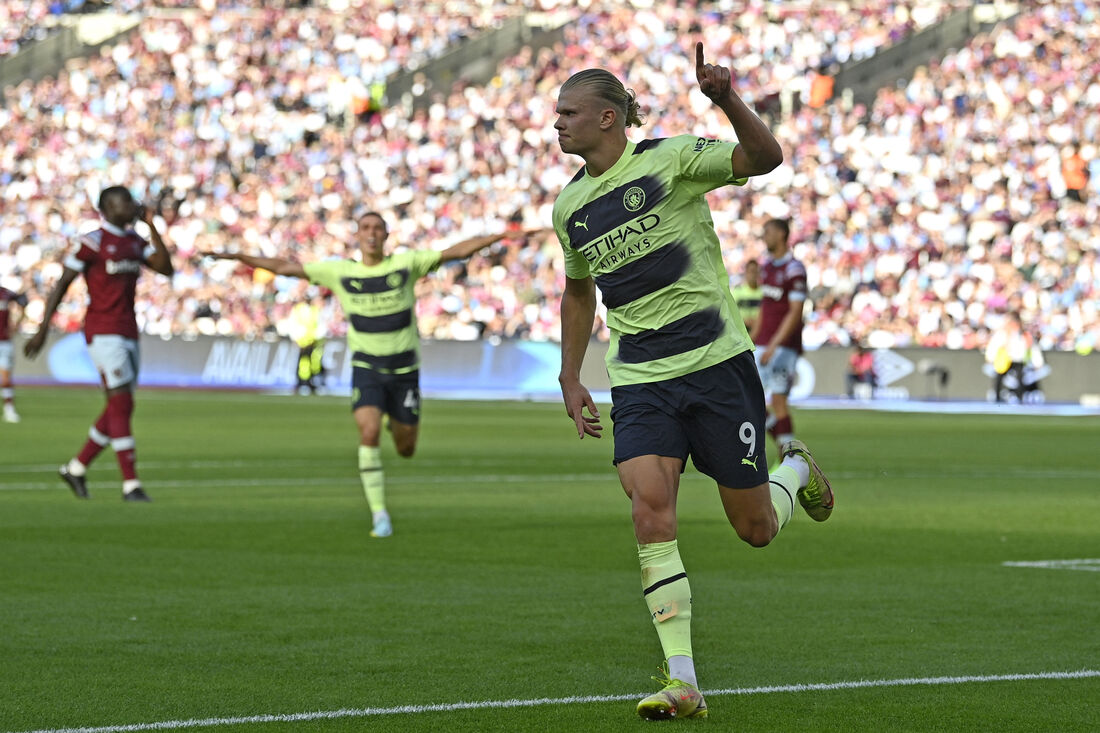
pixel 861 371
pixel 916 215
pixel 1075 174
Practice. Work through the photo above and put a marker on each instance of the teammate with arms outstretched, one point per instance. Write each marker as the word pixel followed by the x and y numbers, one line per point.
pixel 110 259
pixel 634 221
pixel 378 295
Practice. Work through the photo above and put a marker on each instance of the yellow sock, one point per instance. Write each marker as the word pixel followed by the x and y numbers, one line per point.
pixel 784 484
pixel 373 477
pixel 668 595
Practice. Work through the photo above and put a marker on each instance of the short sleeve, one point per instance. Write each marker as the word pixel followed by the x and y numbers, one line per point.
pixel 576 266
pixel 706 164
pixel 324 273
pixel 82 252
pixel 423 262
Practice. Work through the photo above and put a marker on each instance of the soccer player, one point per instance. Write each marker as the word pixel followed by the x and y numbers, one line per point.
pixel 305 321
pixel 379 301
pixel 748 295
pixel 778 332
pixel 110 259
pixel 1009 350
pixel 10 302
pixel 634 221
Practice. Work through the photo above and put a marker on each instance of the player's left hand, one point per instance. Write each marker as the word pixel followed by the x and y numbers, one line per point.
pixel 146 213
pixel 714 81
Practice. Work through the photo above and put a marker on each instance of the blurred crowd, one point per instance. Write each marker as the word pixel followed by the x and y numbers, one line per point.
pixel 25 22
pixel 923 219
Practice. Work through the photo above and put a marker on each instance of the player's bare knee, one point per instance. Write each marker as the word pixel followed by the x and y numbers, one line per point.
pixel 650 526
pixel 757 532
pixel 406 450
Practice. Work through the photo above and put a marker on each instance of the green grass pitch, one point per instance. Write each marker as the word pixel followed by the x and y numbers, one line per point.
pixel 250 586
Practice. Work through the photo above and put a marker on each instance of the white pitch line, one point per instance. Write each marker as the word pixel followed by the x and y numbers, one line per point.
pixel 499 478
pixel 1089 564
pixel 536 702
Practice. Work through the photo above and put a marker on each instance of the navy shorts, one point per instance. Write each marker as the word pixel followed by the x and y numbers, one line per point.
pixel 715 415
pixel 397 395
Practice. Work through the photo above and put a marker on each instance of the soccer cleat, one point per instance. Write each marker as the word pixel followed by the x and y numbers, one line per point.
pixel 676 699
pixel 382 527
pixel 10 415
pixel 77 483
pixel 137 494
pixel 816 497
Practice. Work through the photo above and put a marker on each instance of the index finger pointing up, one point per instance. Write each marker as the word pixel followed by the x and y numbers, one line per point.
pixel 698 55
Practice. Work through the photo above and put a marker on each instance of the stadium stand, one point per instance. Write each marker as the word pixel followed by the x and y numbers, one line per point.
pixel 922 217
pixel 23 24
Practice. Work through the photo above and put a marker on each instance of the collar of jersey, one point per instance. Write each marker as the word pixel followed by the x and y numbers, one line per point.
pixel 113 229
pixel 627 152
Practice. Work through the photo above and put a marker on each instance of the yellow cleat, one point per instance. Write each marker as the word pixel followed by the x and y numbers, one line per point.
pixel 676 699
pixel 816 497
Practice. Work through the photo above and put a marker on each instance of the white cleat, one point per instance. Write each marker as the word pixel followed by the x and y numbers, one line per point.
pixel 382 527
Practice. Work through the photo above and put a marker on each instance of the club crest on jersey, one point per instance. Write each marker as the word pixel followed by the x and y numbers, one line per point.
pixel 395 279
pixel 634 198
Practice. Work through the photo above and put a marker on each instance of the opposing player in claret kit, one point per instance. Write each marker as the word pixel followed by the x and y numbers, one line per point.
pixel 635 222
pixel 778 330
pixel 11 305
pixel 111 259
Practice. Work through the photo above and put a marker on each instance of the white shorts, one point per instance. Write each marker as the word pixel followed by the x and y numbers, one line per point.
pixel 7 356
pixel 778 374
pixel 116 358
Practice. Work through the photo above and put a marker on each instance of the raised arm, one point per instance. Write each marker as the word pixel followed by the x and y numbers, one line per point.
pixel 160 260
pixel 578 309
pixel 758 152
pixel 464 249
pixel 277 265
pixel 35 342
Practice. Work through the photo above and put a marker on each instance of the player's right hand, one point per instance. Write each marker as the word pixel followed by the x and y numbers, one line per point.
pixel 577 400
pixel 34 344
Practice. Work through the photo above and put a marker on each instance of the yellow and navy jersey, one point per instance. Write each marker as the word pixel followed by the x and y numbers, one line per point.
pixel 379 303
pixel 748 301
pixel 644 232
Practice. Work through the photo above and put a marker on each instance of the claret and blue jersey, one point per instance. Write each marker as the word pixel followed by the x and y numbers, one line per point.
pixel 643 231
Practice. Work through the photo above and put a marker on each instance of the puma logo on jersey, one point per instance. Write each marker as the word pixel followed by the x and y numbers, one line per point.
pixel 747 462
pixel 582 223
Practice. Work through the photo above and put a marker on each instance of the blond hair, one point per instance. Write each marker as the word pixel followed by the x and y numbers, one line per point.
pixel 607 87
